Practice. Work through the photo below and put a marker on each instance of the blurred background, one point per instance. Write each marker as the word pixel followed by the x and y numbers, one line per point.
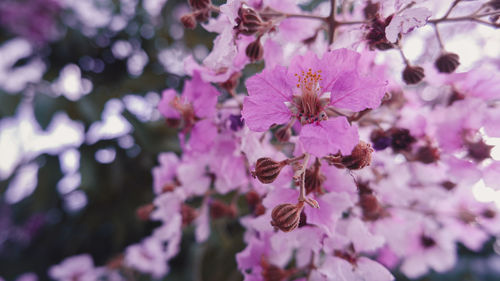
pixel 80 133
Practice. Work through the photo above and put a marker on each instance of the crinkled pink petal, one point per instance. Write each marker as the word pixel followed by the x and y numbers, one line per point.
pixel 164 105
pixel 265 105
pixel 406 21
pixel 202 223
pixel 330 136
pixel 202 136
pixel 201 95
pixel 372 270
pixel 354 92
pixel 164 173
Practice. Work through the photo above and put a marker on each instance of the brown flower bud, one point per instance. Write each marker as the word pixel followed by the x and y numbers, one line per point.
pixel 427 154
pixel 314 179
pixel 199 4
pixel 249 21
pixel 489 214
pixel 286 217
pixel 370 11
pixel 283 134
pixel 232 82
pixel 413 74
pixel 447 62
pixel 144 212
pixel 361 156
pixel 255 50
pixel 189 21
pixel 267 170
pixel 370 206
pixel 455 96
pixel 219 209
pixel 427 241
pixel 116 262
pixel 271 272
pixel 402 140
pixel 448 185
pixel 188 214
pixel 479 150
pixel 253 198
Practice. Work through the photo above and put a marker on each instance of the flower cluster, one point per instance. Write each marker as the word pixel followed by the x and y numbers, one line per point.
pixel 353 162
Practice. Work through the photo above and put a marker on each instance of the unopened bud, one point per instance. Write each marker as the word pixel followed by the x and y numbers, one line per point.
pixel 219 209
pixel 448 185
pixel 249 21
pixel 144 212
pixel 286 217
pixel 361 156
pixel 427 154
pixel 271 272
pixel 479 150
pixel 314 179
pixel 401 140
pixel 267 170
pixel 413 74
pixel 370 11
pixel 255 50
pixel 231 83
pixel 489 214
pixel 283 134
pixel 370 206
pixel 188 214
pixel 199 4
pixel 173 122
pixel 189 21
pixel 447 62
pixel 380 139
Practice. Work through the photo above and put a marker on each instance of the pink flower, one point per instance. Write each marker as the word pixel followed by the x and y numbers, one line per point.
pixel 76 268
pixel 197 101
pixel 165 173
pixel 147 257
pixel 305 90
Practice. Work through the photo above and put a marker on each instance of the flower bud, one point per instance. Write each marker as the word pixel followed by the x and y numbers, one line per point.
pixel 314 181
pixel 271 272
pixel 286 217
pixel 361 156
pixel 427 154
pixel 199 4
pixel 144 212
pixel 189 21
pixel 231 83
pixel 283 134
pixel 413 74
pixel 370 206
pixel 255 50
pixel 380 139
pixel 371 10
pixel 219 209
pixel 188 214
pixel 489 214
pixel 249 21
pixel 267 170
pixel 401 139
pixel 448 185
pixel 479 150
pixel 427 241
pixel 447 62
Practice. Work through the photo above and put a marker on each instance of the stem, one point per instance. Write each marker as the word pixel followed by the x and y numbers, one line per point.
pixel 450 9
pixel 438 36
pixel 332 24
pixel 304 16
pixel 302 192
pixel 464 18
pixel 407 62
